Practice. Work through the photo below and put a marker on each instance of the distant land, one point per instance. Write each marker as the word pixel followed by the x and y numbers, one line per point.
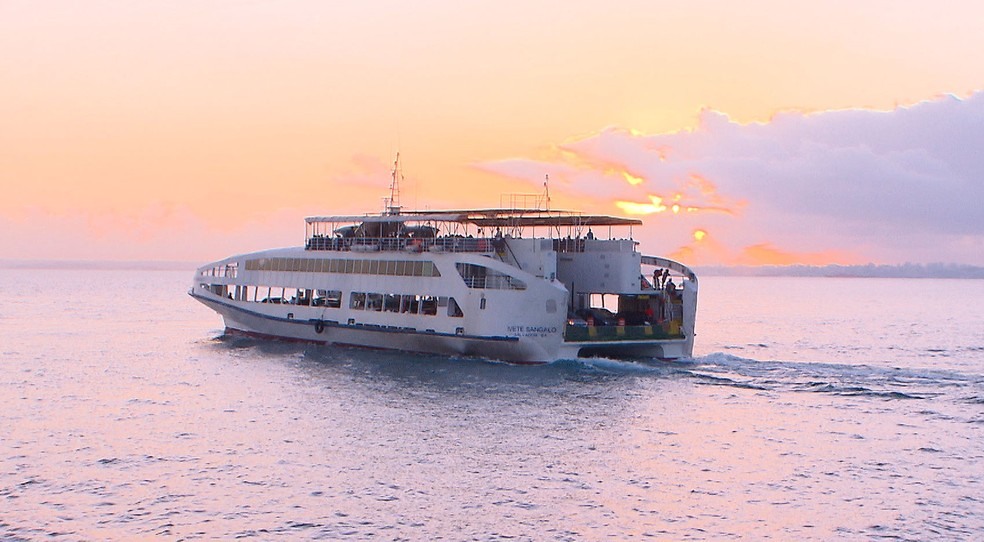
pixel 99 264
pixel 900 271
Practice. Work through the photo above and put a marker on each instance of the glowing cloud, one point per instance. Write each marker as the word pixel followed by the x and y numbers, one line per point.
pixel 827 187
pixel 634 208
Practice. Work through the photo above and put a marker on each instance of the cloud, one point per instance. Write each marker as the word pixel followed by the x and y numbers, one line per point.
pixel 848 185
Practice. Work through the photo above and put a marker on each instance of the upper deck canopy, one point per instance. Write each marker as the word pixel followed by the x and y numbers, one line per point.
pixel 488 218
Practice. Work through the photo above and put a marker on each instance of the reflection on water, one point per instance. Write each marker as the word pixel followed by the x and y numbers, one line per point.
pixel 131 421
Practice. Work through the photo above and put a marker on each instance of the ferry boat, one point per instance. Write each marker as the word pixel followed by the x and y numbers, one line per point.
pixel 521 284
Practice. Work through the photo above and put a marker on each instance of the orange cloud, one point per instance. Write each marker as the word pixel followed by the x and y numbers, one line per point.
pixel 656 205
pixel 632 179
pixel 767 254
pixel 706 250
pixel 633 208
pixel 696 194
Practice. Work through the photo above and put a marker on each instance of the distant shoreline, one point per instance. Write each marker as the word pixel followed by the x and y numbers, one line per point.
pixel 107 265
pixel 902 271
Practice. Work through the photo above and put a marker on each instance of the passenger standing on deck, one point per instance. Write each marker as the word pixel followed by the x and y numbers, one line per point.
pixel 670 290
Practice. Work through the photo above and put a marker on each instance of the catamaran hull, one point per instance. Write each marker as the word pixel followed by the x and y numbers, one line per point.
pixel 239 321
pixel 510 349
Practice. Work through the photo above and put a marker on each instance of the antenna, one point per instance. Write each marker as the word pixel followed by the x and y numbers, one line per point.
pixel 546 189
pixel 393 202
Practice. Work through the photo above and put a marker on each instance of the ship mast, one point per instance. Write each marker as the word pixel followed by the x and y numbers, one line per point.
pixel 392 203
pixel 546 190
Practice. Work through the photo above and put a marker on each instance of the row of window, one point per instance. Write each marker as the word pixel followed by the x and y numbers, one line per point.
pixel 405 304
pixel 332 299
pixel 475 276
pixel 278 295
pixel 400 268
pixel 229 270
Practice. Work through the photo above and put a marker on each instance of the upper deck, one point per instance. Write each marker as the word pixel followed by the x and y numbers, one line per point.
pixel 468 230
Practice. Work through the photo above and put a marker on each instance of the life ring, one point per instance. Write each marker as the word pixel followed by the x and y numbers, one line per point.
pixel 319 326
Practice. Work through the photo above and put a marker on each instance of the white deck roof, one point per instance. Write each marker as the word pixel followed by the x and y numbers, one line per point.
pixel 487 218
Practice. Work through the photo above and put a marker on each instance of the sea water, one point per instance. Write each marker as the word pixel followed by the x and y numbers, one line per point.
pixel 814 409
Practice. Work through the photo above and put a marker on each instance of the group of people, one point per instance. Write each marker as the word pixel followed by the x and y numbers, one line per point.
pixel 661 281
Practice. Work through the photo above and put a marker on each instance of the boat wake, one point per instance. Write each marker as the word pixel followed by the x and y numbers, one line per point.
pixel 719 369
pixel 831 379
pixel 837 379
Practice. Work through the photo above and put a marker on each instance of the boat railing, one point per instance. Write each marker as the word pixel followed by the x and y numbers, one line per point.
pixel 665 263
pixel 402 244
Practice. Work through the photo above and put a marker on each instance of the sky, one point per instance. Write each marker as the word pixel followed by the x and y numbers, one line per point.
pixel 751 133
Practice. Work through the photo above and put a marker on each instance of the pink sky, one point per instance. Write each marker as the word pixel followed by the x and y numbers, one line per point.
pixel 834 132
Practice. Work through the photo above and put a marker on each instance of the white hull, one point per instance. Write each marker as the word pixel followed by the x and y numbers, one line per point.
pixel 504 348
pixel 261 326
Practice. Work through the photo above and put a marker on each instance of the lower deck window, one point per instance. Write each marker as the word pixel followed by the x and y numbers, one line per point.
pixel 327 298
pixel 454 310
pixel 332 299
pixel 404 303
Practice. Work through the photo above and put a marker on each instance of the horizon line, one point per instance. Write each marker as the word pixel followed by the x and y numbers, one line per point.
pixel 873 270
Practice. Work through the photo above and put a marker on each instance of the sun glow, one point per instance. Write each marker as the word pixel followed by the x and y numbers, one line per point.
pixel 632 179
pixel 633 208
pixel 656 205
pixel 693 194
